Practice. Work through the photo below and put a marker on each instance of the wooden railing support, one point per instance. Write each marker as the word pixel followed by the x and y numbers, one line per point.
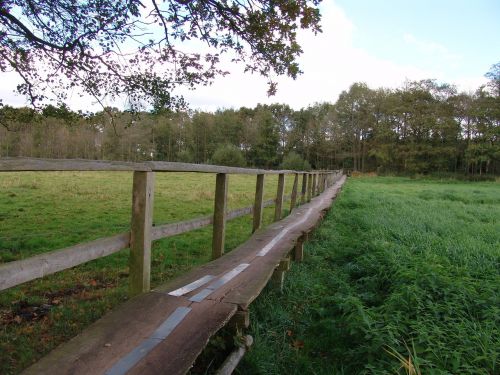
pixel 258 207
pixel 293 199
pixel 304 188
pixel 219 226
pixel 299 249
pixel 309 186
pixel 314 184
pixel 279 197
pixel 278 277
pixel 140 233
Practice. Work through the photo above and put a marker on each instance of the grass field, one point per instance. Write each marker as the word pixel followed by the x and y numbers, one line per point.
pixel 403 276
pixel 45 211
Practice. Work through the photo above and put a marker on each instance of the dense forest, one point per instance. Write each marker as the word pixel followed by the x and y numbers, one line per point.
pixel 421 127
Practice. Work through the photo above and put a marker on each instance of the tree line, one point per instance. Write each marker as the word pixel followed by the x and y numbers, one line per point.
pixel 420 127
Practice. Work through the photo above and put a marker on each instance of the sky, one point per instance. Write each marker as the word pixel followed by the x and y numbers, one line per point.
pixel 379 42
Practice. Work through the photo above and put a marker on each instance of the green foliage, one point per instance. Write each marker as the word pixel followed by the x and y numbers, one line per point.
pixel 294 161
pixel 399 269
pixel 56 46
pixel 228 155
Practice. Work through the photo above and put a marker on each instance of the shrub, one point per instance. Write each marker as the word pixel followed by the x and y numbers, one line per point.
pixel 228 155
pixel 294 161
pixel 185 156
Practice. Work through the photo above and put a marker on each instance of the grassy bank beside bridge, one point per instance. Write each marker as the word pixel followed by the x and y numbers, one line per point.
pixel 401 274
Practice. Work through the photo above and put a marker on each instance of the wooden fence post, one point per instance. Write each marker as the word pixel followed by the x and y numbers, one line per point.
pixel 293 200
pixel 219 226
pixel 314 184
pixel 279 197
pixel 304 188
pixel 299 249
pixel 258 206
pixel 309 186
pixel 140 233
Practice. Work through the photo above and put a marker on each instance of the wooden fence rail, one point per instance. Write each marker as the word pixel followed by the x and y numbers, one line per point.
pixel 142 232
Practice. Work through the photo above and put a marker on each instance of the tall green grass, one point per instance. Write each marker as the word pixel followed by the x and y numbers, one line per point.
pixel 402 277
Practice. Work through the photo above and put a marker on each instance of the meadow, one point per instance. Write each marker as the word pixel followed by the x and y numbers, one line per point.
pixel 402 277
pixel 44 211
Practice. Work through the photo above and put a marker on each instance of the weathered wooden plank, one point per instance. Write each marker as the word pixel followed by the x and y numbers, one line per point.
pixel 293 200
pixel 21 271
pixel 163 166
pixel 258 207
pixel 176 355
pixel 279 197
pixel 110 338
pixel 18 164
pixel 140 232
pixel 169 230
pixel 34 164
pixel 220 204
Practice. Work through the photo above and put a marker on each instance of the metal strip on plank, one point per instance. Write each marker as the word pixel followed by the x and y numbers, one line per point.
pixel 275 240
pixel 192 286
pixel 168 325
pixel 201 295
pixel 126 363
pixel 218 283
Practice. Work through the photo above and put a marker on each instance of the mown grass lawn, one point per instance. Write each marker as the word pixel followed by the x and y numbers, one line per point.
pixel 45 211
pixel 400 270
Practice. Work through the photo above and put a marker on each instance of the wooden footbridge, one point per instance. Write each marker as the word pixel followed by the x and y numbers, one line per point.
pixel 163 331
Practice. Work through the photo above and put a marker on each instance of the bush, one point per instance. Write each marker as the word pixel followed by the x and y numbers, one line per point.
pixel 294 161
pixel 228 155
pixel 185 156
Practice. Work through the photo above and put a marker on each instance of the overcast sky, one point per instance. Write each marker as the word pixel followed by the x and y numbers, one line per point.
pixel 380 42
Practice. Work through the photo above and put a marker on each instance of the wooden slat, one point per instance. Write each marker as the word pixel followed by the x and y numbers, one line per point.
pixel 21 271
pixel 140 232
pixel 33 164
pixel 219 228
pixel 233 214
pixel 169 230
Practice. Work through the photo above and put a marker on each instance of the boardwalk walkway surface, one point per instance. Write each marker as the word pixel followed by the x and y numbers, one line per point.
pixel 163 331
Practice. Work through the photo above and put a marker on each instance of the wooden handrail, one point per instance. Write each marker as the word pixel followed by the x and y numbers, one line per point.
pixel 19 164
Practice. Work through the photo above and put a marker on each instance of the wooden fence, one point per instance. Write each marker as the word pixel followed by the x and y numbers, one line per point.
pixel 142 232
